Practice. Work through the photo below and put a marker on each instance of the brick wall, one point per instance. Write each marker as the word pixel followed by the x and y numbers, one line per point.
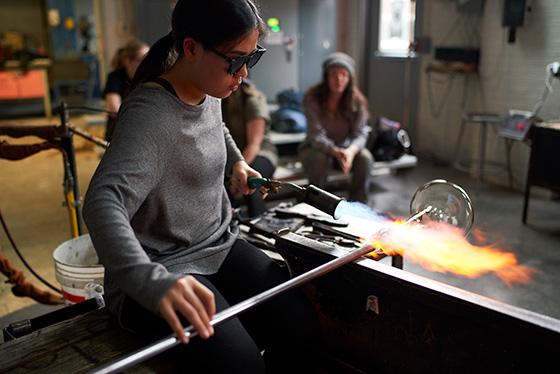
pixel 511 76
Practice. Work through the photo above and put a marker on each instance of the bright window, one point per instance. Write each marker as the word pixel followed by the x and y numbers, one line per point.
pixel 396 26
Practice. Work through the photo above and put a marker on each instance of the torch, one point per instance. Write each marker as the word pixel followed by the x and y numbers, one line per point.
pixel 312 195
pixel 438 200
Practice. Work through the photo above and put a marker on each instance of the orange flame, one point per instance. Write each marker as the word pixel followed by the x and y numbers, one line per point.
pixel 441 247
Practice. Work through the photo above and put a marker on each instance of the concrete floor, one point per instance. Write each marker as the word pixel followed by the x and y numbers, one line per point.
pixel 31 203
pixel 498 214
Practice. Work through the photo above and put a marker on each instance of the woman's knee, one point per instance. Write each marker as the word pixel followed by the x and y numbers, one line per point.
pixel 363 162
pixel 364 157
pixel 315 164
pixel 232 350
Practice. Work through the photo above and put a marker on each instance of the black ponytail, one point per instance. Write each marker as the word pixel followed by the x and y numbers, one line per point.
pixel 209 22
pixel 156 62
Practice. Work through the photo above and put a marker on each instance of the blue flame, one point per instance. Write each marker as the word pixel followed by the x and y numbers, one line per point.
pixel 357 209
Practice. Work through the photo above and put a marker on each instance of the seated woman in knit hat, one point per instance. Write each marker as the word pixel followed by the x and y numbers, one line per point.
pixel 337 128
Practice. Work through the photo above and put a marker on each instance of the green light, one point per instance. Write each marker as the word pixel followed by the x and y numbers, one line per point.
pixel 274 24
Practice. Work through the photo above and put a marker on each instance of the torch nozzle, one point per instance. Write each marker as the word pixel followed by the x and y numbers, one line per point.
pixel 322 200
pixel 312 195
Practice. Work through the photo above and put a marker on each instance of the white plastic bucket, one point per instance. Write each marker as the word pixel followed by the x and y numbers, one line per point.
pixel 75 266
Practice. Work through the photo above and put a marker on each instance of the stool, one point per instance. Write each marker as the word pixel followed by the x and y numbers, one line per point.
pixel 483 119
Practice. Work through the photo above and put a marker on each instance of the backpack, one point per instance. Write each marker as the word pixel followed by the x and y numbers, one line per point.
pixel 388 141
pixel 289 118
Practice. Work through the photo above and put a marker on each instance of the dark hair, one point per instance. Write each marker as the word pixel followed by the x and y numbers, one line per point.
pixel 352 98
pixel 209 22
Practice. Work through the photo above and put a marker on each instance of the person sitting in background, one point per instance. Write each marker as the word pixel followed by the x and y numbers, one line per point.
pixel 124 62
pixel 337 129
pixel 245 113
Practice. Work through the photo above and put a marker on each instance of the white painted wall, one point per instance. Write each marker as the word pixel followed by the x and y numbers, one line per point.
pixel 511 76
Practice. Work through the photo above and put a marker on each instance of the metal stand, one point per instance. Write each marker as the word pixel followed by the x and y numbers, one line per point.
pixel 483 119
pixel 67 144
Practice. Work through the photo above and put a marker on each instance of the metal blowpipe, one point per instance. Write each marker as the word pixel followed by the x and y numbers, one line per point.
pixel 455 206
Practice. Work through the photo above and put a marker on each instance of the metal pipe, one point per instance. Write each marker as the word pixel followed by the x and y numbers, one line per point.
pixel 86 135
pixel 171 341
pixel 67 144
pixel 325 200
pixel 162 345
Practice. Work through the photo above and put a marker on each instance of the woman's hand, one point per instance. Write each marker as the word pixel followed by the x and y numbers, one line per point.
pixel 192 300
pixel 349 154
pixel 345 157
pixel 238 182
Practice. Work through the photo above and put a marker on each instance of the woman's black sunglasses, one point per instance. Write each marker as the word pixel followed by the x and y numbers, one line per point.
pixel 235 64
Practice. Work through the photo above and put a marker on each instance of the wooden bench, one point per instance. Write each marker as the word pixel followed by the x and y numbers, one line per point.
pixel 290 168
pixel 76 346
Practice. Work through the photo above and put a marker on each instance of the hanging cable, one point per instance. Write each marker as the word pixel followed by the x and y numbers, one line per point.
pixel 547 88
pixel 44 281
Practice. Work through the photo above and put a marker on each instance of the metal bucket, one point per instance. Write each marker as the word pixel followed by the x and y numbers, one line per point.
pixel 77 269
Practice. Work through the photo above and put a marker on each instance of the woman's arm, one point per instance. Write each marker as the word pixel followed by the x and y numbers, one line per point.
pixel 118 188
pixel 113 101
pixel 359 130
pixel 256 114
pixel 316 133
pixel 113 91
pixel 233 153
pixel 237 169
pixel 256 128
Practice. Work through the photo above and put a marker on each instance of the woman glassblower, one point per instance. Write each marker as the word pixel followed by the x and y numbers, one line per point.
pixel 159 215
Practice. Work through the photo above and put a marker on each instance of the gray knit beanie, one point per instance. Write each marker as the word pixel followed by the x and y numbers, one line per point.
pixel 339 59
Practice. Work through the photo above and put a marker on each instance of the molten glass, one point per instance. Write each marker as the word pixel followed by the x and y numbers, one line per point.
pixel 443 201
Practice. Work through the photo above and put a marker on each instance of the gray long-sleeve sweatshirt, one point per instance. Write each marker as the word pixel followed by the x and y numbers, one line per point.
pixel 326 130
pixel 156 207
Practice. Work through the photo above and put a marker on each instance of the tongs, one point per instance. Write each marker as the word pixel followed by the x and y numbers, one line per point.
pixel 267 185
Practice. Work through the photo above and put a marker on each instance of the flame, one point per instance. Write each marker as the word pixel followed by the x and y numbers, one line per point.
pixel 441 247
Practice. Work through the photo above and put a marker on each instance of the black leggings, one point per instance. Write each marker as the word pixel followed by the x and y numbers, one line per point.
pixel 283 326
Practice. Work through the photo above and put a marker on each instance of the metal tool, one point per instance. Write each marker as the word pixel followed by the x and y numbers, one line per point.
pixel 330 238
pixel 281 212
pixel 312 195
pixel 172 340
pixel 318 226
